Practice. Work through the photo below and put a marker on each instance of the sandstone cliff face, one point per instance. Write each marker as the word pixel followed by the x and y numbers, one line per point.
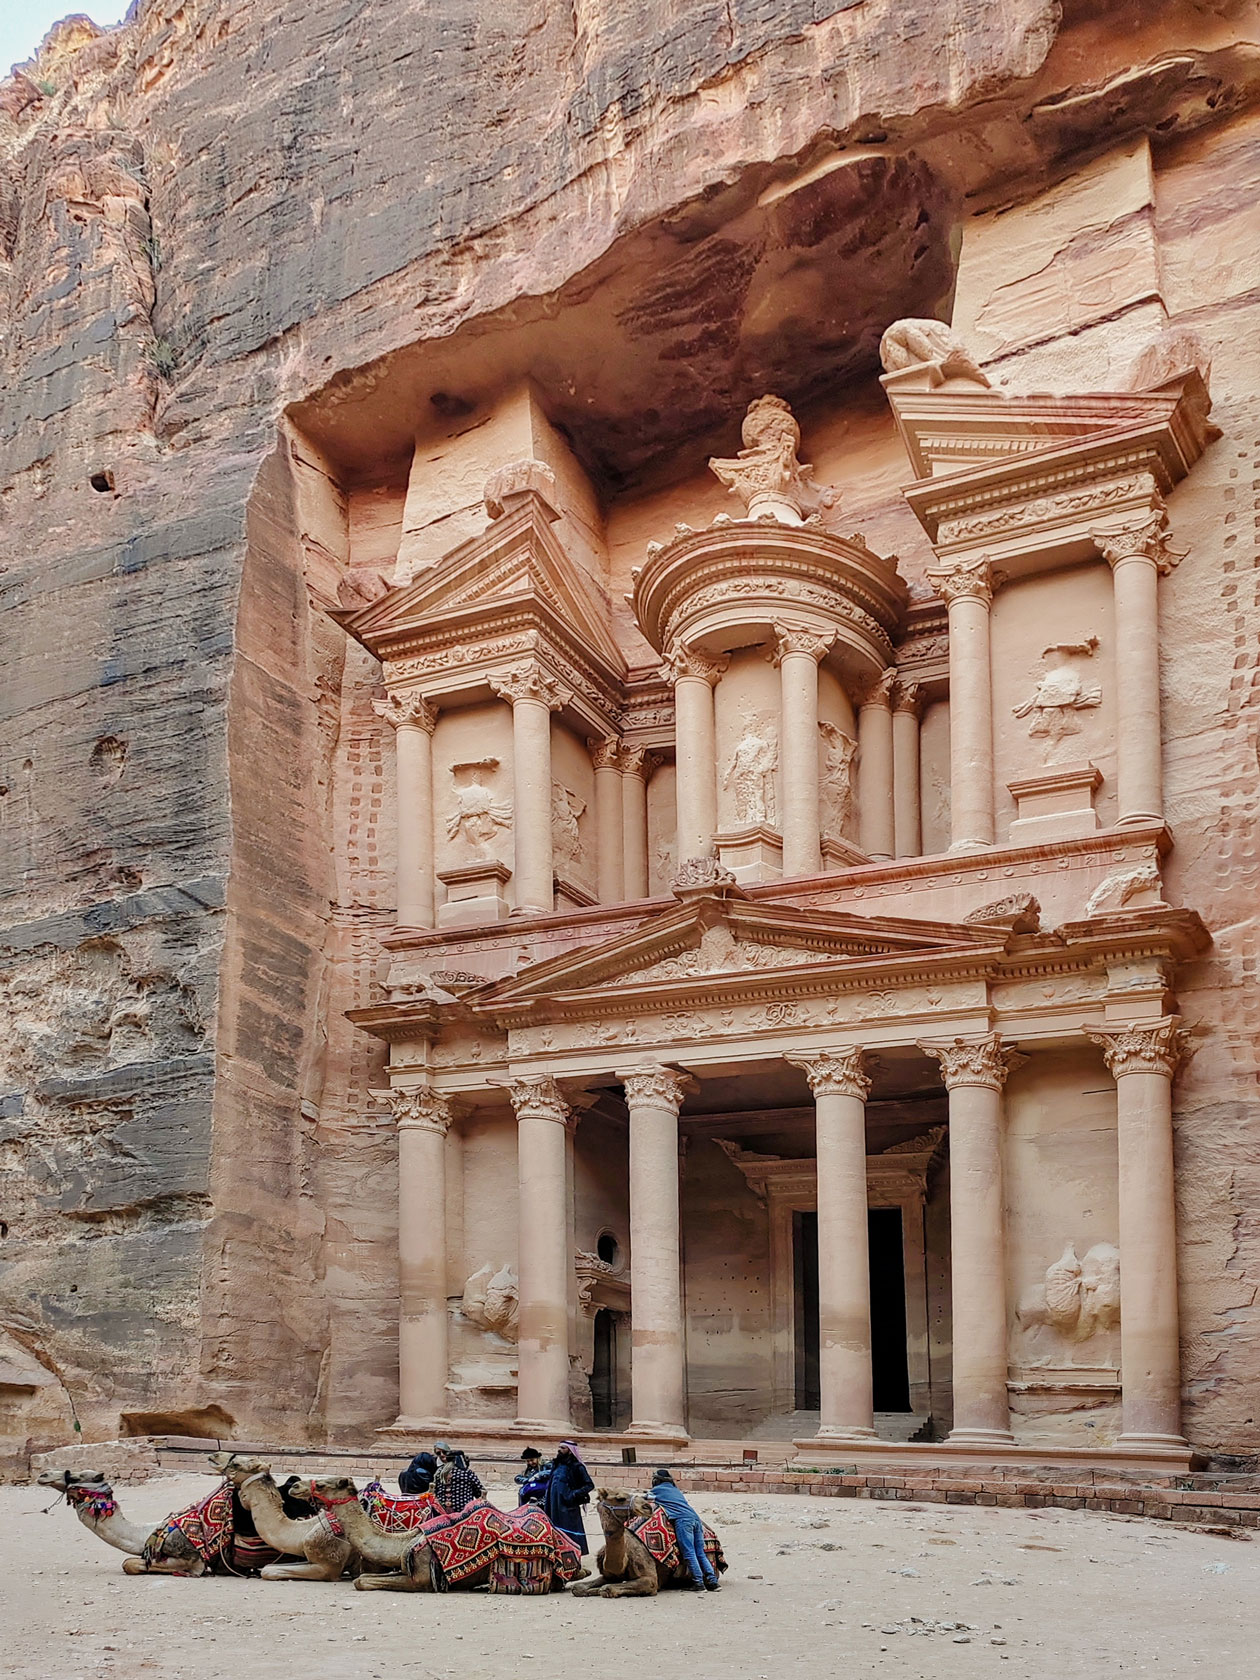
pixel 215 212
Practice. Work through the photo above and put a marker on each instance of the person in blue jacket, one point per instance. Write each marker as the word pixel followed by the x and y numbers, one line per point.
pixel 569 1487
pixel 688 1531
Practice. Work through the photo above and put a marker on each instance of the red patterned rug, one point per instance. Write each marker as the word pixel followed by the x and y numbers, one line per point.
pixel 657 1534
pixel 396 1516
pixel 520 1551
pixel 207 1527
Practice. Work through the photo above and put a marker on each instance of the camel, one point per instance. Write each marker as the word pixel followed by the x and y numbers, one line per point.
pixel 92 1499
pixel 624 1568
pixel 326 1553
pixel 408 1556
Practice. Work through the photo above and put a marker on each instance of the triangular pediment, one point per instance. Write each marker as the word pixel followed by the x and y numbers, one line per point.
pixel 516 563
pixel 723 941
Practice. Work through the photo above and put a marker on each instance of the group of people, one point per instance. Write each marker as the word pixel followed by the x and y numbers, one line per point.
pixel 562 1486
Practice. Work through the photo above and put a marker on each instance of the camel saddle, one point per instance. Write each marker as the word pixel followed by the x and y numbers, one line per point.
pixel 522 1550
pixel 657 1534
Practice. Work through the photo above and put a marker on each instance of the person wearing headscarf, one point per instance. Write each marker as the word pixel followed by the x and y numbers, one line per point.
pixel 532 1480
pixel 688 1531
pixel 569 1487
pixel 417 1478
pixel 455 1484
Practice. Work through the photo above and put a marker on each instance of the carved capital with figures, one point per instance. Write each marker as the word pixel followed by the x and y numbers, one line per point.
pixel 834 1073
pixel 974 1061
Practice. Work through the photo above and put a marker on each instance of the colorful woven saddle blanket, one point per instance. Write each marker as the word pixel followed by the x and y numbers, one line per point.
pixel 520 1552
pixel 210 1529
pixel 396 1516
pixel 657 1534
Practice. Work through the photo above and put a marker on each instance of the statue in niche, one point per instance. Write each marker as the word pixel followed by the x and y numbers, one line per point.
pixel 837 777
pixel 477 816
pixel 492 1300
pixel 750 774
pixel 1079 1297
pixel 1061 694
pixel 566 836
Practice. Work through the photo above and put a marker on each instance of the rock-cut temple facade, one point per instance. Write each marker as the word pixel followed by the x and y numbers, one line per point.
pixel 632 808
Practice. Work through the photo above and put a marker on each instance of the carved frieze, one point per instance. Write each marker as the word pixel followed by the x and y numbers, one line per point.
pixel 517 478
pixel 701 874
pixel 1041 510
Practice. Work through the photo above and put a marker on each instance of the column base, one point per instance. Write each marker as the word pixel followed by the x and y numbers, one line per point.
pixel 844 1432
pixel 660 1432
pixel 545 1426
pixel 980 1438
pixel 1139 819
pixel 1153 1443
pixel 971 846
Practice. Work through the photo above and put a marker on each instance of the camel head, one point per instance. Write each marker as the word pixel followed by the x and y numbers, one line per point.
pixel 70 1481
pixel 238 1467
pixel 621 1508
pixel 323 1491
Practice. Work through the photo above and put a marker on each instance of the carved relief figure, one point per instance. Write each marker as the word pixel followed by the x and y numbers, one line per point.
pixel 750 774
pixel 766 470
pixel 477 816
pixel 1079 1297
pixel 566 836
pixel 916 342
pixel 837 778
pixel 492 1300
pixel 1061 694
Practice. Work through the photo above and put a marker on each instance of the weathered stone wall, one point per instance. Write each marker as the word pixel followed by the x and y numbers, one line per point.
pixel 218 210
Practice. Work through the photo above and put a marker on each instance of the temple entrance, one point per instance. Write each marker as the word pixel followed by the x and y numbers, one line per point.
pixel 604 1371
pixel 890 1368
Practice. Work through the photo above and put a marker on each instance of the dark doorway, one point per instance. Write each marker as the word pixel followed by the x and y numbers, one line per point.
pixel 890 1370
pixel 604 1371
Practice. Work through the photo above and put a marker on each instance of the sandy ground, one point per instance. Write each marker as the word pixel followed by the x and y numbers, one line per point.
pixel 815 1588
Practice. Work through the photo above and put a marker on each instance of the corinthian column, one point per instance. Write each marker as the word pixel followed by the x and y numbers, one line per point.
pixel 637 766
pixel 875 768
pixel 694 675
pixel 1138 557
pixel 1142 1060
pixel 610 865
pixel 543 1254
pixel 967 587
pixel 657 1377
pixel 423 1119
pixel 840 1090
pixel 534 694
pixel 414 719
pixel 974 1071
pixel 797 654
pixel 907 825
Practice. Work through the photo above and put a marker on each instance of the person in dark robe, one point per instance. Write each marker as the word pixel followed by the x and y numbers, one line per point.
pixel 417 1478
pixel 569 1487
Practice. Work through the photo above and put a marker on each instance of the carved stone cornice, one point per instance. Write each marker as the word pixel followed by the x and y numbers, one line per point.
pixel 407 708
pixel 1153 1047
pixel 833 1073
pixel 683 661
pixel 606 753
pixel 421 1110
pixel 789 640
pixel 1145 539
pixel 531 682
pixel 963 580
pixel 974 1061
pixel 656 1086
pixel 536 1096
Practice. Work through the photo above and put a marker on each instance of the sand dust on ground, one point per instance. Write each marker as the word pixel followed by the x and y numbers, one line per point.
pixel 815 1588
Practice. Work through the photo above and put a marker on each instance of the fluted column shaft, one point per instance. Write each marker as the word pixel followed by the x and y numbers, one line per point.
pixel 968 590
pixel 533 695
pixel 875 769
pixel 422 1118
pixel 694 675
pixel 636 769
pixel 544 1258
pixel 1138 557
pixel 1142 1060
pixel 414 720
pixel 975 1073
pixel 840 1090
pixel 907 820
pixel 658 1375
pixel 798 653
pixel 610 837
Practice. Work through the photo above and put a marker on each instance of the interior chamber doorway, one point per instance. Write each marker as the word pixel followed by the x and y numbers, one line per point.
pixel 890 1369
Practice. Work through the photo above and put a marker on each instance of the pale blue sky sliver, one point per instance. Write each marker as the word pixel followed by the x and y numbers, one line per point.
pixel 24 23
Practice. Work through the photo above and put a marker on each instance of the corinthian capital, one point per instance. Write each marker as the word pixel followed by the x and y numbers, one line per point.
pixel 683 661
pixel 606 752
pixel 833 1073
pixel 789 640
pixel 537 1097
pixel 1155 1047
pixel 974 1061
pixel 421 1110
pixel 879 691
pixel 963 580
pixel 656 1087
pixel 1145 539
pixel 907 697
pixel 531 682
pixel 638 761
pixel 405 707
